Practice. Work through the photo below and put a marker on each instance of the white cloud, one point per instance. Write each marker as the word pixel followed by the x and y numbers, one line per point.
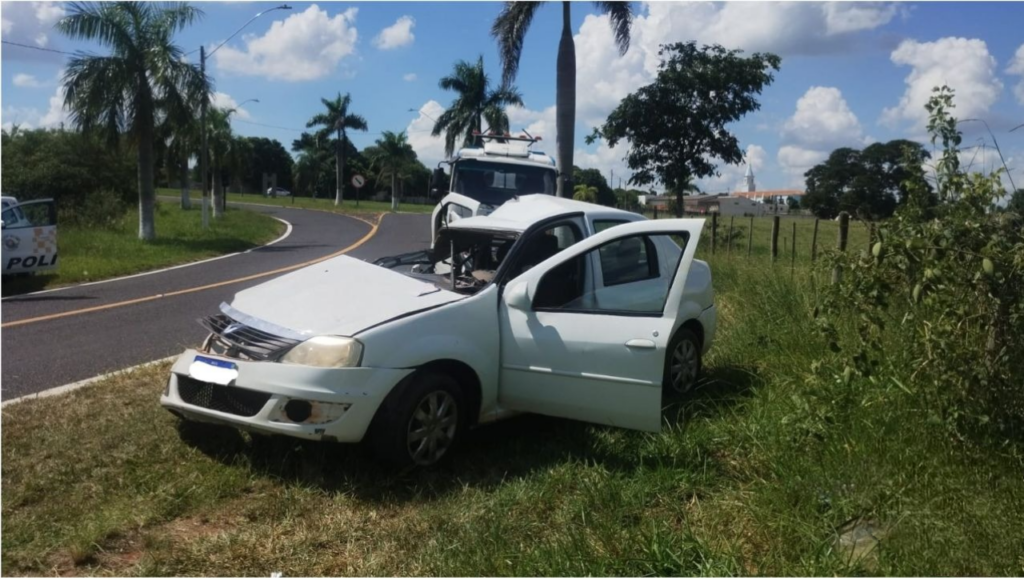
pixel 397 35
pixel 55 115
pixel 789 28
pixel 409 77
pixel 25 80
pixel 733 177
pixel 303 47
pixel 226 101
pixel 430 150
pixel 963 64
pixel 1017 68
pixel 29 23
pixel 821 123
pixel 537 123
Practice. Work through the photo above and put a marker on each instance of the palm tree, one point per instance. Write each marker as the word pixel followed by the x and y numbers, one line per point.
pixel 121 92
pixel 475 104
pixel 337 118
pixel 391 156
pixel 219 137
pixel 510 28
pixel 179 129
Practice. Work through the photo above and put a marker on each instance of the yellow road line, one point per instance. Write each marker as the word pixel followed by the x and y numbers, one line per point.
pixel 363 240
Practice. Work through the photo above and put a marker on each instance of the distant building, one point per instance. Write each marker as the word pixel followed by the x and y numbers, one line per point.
pixel 750 179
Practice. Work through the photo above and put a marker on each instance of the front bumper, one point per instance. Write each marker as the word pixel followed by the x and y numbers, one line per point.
pixel 256 399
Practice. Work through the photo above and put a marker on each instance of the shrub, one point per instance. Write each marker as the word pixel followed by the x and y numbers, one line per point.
pixel 941 293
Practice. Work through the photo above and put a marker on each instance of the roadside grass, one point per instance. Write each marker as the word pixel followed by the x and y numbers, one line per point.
pixel 88 254
pixel 348 207
pixel 752 474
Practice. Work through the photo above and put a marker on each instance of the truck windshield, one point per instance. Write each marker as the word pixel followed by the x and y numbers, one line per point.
pixel 495 183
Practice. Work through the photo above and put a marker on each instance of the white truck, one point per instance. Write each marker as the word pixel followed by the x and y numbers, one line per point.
pixel 29 235
pixel 483 178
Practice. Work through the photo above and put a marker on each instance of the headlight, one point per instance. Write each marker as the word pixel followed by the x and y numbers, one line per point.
pixel 326 351
pixel 485 209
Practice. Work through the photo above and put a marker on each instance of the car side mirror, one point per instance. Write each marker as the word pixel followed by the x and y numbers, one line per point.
pixel 438 182
pixel 517 295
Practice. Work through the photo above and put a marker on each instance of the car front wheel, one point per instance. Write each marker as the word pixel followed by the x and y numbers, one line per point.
pixel 683 362
pixel 421 425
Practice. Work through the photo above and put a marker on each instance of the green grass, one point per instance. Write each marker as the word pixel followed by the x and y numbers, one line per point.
pixel 349 207
pixel 89 253
pixel 752 474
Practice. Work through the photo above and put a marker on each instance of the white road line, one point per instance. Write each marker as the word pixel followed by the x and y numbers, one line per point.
pixel 287 232
pixel 83 383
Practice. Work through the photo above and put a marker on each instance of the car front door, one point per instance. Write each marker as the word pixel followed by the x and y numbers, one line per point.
pixel 30 237
pixel 596 352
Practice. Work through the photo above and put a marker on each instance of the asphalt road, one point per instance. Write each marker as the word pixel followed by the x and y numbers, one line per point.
pixel 39 355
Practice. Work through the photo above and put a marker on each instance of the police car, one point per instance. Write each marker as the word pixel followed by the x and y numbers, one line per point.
pixel 29 235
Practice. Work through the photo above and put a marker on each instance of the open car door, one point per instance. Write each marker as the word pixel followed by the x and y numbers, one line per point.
pixel 30 237
pixel 584 333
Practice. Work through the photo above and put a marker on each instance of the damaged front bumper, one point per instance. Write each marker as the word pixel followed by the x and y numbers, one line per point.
pixel 330 404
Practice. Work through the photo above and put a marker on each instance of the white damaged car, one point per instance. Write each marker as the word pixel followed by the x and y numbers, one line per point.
pixel 546 306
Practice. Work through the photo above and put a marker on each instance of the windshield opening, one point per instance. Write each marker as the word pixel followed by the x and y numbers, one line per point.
pixel 496 183
pixel 477 257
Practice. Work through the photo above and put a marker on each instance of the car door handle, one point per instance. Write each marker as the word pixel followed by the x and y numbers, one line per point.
pixel 640 343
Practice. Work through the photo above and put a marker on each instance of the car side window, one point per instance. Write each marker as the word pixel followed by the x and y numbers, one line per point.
pixel 633 282
pixel 602 225
pixel 543 244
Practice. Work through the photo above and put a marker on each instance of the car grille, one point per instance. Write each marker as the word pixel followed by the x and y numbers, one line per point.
pixel 233 400
pixel 239 340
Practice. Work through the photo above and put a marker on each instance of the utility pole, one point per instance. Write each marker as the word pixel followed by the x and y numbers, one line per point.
pixel 203 153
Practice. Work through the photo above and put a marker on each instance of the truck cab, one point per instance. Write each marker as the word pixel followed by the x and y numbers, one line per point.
pixel 483 178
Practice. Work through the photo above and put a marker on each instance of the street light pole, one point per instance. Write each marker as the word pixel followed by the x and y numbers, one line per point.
pixel 202 108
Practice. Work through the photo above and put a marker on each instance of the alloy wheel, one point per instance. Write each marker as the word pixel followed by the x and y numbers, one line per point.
pixel 684 366
pixel 432 427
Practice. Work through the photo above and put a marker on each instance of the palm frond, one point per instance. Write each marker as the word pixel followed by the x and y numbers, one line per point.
pixel 509 29
pixel 103 23
pixel 621 16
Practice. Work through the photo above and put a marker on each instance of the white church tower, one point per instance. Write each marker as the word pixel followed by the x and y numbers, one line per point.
pixel 750 179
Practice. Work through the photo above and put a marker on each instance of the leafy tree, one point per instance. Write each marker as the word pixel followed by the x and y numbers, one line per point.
pixel 475 103
pixel 869 184
pixel 268 156
pixel 594 178
pixel 677 125
pixel 587 193
pixel 510 29
pixel 628 198
pixel 793 202
pixel 1016 203
pixel 392 157
pixel 121 92
pixel 338 119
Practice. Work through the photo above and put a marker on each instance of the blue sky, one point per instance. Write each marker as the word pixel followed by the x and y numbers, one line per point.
pixel 852 73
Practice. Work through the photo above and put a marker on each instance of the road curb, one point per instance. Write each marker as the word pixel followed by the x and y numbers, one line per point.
pixel 83 383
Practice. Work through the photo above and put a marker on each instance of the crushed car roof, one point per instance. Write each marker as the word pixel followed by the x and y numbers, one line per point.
pixel 520 213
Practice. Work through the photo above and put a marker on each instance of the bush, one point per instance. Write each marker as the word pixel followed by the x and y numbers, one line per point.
pixel 71 168
pixel 941 293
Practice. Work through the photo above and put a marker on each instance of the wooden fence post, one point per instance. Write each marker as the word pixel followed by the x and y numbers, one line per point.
pixel 750 236
pixel 792 259
pixel 731 220
pixel 844 230
pixel 814 242
pixel 775 237
pixel 714 232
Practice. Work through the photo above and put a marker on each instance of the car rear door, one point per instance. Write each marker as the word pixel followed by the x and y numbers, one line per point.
pixel 596 352
pixel 30 237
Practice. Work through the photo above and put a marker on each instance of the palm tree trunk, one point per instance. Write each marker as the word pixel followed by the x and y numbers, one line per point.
pixel 147 228
pixel 565 104
pixel 394 191
pixel 338 168
pixel 186 199
pixel 218 189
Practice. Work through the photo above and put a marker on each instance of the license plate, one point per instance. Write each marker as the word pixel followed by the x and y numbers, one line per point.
pixel 213 370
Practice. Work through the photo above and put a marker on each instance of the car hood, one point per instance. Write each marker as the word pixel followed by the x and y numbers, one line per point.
pixel 341 296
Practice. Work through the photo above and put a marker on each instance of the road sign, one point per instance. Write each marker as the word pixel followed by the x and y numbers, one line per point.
pixel 358 180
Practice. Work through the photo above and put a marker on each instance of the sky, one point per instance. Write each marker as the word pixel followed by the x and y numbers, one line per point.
pixel 852 73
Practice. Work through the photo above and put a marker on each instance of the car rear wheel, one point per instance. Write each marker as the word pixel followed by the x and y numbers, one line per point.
pixel 421 424
pixel 682 362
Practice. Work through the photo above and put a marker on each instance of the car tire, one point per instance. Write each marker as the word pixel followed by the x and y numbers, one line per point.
pixel 682 362
pixel 420 423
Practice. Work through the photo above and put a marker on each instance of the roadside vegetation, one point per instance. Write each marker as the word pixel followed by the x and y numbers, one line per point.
pixel 349 207
pixel 90 252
